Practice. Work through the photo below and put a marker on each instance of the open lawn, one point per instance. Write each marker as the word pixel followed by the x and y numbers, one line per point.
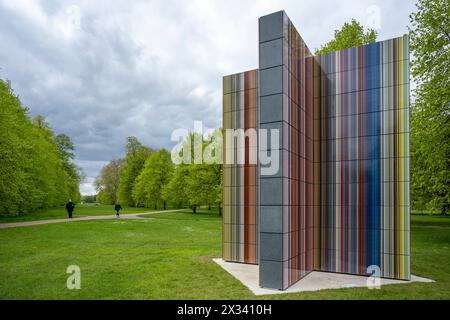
pixel 81 210
pixel 168 256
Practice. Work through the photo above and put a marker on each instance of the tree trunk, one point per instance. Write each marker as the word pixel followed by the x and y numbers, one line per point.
pixel 209 207
pixel 164 204
pixel 220 211
pixel 194 209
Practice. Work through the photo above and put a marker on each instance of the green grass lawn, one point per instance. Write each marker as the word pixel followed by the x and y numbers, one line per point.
pixel 169 257
pixel 202 214
pixel 81 210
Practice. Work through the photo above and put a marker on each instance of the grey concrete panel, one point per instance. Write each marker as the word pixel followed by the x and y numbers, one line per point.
pixel 271 108
pixel 271 81
pixel 271 53
pixel 271 191
pixel 271 274
pixel 271 26
pixel 271 219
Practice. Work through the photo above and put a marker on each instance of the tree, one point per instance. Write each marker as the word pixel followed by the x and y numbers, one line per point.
pixel 65 145
pixel 430 127
pixel 66 150
pixel 214 168
pixel 32 170
pixel 148 190
pixel 89 198
pixel 107 183
pixel 350 35
pixel 134 162
pixel 195 185
pixel 198 186
pixel 175 192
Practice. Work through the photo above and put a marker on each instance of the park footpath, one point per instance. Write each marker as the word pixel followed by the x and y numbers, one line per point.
pixel 86 218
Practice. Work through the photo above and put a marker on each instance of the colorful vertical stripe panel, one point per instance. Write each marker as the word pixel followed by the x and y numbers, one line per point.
pixel 363 93
pixel 298 167
pixel 240 227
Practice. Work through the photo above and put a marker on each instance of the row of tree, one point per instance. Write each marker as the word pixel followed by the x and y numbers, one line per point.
pixel 36 168
pixel 148 178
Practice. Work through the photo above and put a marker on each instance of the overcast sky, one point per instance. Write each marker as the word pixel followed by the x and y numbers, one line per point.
pixel 100 71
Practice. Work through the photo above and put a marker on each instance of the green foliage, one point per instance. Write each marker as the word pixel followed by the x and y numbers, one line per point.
pixel 199 184
pixel 135 159
pixel 33 171
pixel 146 178
pixel 89 198
pixel 196 184
pixel 66 151
pixel 430 127
pixel 350 35
pixel 148 190
pixel 107 183
pixel 176 190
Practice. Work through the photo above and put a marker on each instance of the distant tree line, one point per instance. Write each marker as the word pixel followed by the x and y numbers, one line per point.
pixel 89 198
pixel 148 178
pixel 36 165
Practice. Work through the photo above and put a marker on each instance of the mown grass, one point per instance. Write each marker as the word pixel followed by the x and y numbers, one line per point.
pixel 202 214
pixel 169 257
pixel 81 210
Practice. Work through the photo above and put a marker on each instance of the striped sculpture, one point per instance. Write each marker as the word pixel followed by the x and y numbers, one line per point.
pixel 340 199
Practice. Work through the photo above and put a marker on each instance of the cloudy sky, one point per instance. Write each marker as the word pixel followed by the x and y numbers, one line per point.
pixel 100 71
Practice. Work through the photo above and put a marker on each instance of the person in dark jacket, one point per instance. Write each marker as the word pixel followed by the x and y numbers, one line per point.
pixel 70 206
pixel 118 207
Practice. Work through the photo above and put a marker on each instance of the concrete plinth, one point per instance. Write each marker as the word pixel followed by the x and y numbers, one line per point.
pixel 248 274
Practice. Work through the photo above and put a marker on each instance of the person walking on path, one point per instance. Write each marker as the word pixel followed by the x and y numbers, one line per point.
pixel 70 206
pixel 118 207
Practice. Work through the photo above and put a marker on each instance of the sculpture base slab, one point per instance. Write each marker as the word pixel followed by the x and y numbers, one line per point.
pixel 248 275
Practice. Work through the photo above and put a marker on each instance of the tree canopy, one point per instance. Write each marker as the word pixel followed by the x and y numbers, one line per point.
pixel 149 178
pixel 107 183
pixel 154 177
pixel 196 185
pixel 36 169
pixel 133 164
pixel 351 34
pixel 430 126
